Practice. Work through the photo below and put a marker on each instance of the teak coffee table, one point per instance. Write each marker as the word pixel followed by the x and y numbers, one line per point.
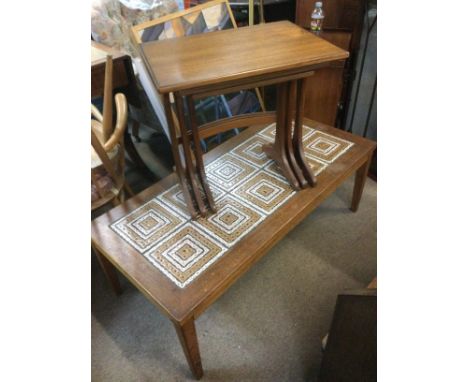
pixel 183 265
pixel 226 61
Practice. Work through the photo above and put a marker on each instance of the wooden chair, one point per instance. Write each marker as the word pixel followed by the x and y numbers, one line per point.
pixel 108 160
pixel 206 17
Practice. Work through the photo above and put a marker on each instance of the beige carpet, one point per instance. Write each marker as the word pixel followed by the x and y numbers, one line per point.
pixel 267 327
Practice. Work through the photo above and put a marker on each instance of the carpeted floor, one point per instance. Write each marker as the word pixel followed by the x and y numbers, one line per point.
pixel 267 327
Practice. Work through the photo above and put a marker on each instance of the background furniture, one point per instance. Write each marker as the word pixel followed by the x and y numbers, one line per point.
pixel 107 141
pixel 351 350
pixel 123 81
pixel 107 159
pixel 328 92
pixel 183 294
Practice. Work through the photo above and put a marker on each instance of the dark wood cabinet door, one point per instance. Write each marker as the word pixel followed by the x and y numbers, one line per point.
pixel 324 89
pixel 327 92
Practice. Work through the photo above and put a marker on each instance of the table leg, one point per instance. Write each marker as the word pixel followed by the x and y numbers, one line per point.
pixel 297 137
pixel 277 151
pixel 177 160
pixel 198 154
pixel 188 339
pixel 109 271
pixel 359 182
pixel 289 115
pixel 188 155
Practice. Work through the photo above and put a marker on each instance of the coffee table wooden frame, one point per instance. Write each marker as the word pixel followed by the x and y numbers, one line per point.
pixel 183 306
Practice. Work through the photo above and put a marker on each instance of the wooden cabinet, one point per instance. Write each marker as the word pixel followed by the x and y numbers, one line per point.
pixel 328 91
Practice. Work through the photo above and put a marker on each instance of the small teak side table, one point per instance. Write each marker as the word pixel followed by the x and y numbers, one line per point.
pixel 230 60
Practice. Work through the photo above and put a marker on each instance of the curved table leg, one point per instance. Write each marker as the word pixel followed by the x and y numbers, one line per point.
pixel 177 160
pixel 297 137
pixel 188 155
pixel 198 154
pixel 289 115
pixel 277 151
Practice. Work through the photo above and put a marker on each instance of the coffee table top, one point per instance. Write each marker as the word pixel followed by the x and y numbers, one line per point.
pixel 235 54
pixel 183 265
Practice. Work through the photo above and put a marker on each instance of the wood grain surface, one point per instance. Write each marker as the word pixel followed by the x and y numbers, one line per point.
pixel 201 60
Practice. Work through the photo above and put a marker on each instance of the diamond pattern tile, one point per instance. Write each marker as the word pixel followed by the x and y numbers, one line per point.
pixel 247 188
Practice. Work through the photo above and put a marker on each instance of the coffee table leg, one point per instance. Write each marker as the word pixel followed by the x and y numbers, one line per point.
pixel 359 182
pixel 188 339
pixel 109 271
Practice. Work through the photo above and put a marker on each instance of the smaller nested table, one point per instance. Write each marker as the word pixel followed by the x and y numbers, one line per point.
pixel 183 265
pixel 230 60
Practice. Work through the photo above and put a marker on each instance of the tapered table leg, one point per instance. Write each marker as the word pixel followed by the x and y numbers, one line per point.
pixel 188 339
pixel 188 155
pixel 359 182
pixel 297 137
pixel 177 160
pixel 109 271
pixel 277 151
pixel 289 115
pixel 198 154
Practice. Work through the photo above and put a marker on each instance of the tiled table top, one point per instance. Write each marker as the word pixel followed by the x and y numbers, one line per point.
pixel 247 188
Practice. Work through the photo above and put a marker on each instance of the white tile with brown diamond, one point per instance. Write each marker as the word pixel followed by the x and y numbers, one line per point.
pixel 174 198
pixel 229 171
pixel 264 192
pixel 251 151
pixel 145 226
pixel 231 222
pixel 316 166
pixel 184 254
pixel 325 147
pixel 269 132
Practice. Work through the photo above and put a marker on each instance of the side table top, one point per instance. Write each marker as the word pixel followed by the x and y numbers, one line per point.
pixel 183 266
pixel 235 54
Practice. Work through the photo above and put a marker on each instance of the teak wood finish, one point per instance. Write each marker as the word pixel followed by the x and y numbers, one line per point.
pixel 183 306
pixel 224 61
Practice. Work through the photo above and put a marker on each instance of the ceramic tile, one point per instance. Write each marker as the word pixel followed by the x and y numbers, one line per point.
pixel 183 255
pixel 251 151
pixel 228 171
pixel 264 192
pixel 232 221
pixel 325 147
pixel 269 132
pixel 316 166
pixel 145 226
pixel 174 198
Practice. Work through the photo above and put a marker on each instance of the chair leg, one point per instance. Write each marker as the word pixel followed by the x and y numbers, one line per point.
pixel 109 271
